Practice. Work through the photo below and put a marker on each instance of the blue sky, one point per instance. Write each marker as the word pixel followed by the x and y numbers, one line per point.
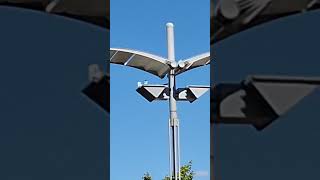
pixel 139 134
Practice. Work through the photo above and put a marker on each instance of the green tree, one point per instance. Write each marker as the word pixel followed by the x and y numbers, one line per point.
pixel 186 173
pixel 147 177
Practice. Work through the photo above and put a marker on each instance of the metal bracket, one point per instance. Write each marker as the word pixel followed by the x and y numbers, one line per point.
pixel 259 100
pixel 161 92
pixel 174 122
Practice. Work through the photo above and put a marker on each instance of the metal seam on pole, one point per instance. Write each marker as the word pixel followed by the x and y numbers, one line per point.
pixel 170 156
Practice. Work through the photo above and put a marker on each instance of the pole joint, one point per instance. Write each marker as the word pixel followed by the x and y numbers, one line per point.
pixel 174 122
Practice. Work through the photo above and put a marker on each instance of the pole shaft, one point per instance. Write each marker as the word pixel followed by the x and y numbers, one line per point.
pixel 170 147
pixel 170 41
pixel 174 150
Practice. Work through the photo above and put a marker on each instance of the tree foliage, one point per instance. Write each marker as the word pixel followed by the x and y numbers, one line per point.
pixel 186 173
pixel 147 177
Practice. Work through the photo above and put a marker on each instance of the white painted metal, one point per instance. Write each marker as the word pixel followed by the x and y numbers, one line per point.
pixel 174 121
pixel 156 65
pixel 153 64
pixel 95 73
pixel 193 62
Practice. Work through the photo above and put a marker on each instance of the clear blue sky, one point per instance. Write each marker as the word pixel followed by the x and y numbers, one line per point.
pixel 139 134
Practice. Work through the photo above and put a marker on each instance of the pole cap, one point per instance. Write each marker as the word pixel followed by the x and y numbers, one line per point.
pixel 169 24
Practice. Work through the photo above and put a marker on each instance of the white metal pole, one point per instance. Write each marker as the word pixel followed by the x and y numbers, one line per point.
pixel 170 41
pixel 170 147
pixel 178 137
pixel 174 122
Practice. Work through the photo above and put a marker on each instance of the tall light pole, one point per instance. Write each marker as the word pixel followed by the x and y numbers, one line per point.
pixel 162 67
pixel 173 121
